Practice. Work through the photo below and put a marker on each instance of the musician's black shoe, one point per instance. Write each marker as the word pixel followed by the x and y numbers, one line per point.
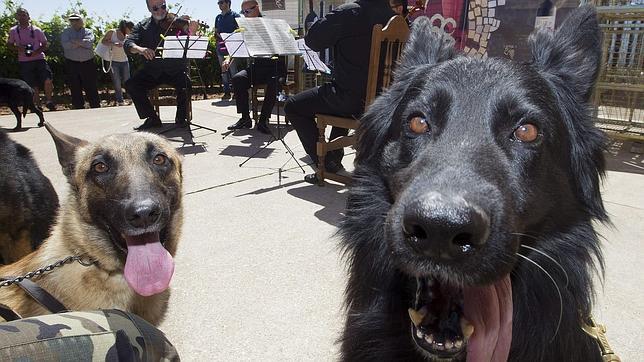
pixel 151 122
pixel 331 167
pixel 262 126
pixel 311 178
pixel 243 122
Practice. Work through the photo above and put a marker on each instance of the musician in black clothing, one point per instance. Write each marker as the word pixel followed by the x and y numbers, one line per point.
pixel 143 40
pixel 263 72
pixel 348 30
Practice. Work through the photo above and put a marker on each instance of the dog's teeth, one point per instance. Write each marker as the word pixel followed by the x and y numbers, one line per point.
pixel 448 344
pixel 420 334
pixel 417 316
pixel 458 343
pixel 429 338
pixel 467 328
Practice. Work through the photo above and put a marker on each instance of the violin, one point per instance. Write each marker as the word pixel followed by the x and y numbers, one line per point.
pixel 179 24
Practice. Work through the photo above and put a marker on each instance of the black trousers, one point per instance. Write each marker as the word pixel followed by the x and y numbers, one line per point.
pixel 302 108
pixel 81 76
pixel 241 84
pixel 152 75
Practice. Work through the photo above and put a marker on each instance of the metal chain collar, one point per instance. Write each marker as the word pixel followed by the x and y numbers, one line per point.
pixel 48 268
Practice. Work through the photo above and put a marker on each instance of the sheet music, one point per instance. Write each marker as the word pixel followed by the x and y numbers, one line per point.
pixel 235 45
pixel 173 47
pixel 312 58
pixel 267 37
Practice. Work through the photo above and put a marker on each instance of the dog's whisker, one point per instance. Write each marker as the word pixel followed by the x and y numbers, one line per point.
pixel 526 235
pixel 556 287
pixel 551 259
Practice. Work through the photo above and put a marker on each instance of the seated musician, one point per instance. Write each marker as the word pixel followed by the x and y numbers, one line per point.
pixel 346 29
pixel 144 40
pixel 263 72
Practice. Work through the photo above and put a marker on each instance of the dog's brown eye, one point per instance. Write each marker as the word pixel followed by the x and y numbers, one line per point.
pixel 159 160
pixel 100 167
pixel 418 125
pixel 526 133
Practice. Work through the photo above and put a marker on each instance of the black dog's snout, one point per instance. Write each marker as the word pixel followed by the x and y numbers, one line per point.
pixel 442 227
pixel 144 213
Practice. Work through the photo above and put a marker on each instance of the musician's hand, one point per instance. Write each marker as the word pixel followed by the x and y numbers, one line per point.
pixel 225 65
pixel 146 52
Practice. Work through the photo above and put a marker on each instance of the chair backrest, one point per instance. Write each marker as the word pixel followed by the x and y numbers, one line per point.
pixel 386 48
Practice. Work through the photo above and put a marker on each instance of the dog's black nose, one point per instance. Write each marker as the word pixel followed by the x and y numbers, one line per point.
pixel 141 214
pixel 444 227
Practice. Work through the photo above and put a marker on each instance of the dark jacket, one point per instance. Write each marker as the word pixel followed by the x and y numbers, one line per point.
pixel 147 34
pixel 348 30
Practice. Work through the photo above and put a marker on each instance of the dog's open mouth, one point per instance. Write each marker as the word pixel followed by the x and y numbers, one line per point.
pixel 449 322
pixel 148 265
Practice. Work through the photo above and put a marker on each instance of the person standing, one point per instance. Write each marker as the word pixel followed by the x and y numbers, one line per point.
pixel 346 29
pixel 225 23
pixel 80 68
pixel 144 40
pixel 30 43
pixel 114 38
pixel 262 71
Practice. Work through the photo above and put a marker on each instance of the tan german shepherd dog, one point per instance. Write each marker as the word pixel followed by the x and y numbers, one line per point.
pixel 124 211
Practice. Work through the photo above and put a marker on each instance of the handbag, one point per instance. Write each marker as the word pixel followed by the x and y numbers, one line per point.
pixel 105 53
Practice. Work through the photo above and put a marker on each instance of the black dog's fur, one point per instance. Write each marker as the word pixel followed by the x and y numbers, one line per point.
pixel 28 201
pixel 15 93
pixel 544 194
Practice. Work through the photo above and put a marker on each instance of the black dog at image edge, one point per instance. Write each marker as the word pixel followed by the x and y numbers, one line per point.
pixel 15 93
pixel 468 230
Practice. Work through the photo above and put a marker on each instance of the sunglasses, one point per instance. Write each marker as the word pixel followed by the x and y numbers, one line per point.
pixel 249 10
pixel 157 8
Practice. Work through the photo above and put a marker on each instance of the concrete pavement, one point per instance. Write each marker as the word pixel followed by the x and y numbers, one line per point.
pixel 258 273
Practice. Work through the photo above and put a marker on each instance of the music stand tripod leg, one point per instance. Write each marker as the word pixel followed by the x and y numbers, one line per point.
pixel 279 135
pixel 186 79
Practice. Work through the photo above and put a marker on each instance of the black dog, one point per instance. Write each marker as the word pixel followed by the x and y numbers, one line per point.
pixel 468 231
pixel 28 202
pixel 16 93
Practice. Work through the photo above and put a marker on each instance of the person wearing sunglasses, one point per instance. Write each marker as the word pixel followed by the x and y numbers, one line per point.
pixel 143 41
pixel 225 23
pixel 346 29
pixel 262 71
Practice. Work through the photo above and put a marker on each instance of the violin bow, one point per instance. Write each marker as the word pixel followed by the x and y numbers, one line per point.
pixel 168 29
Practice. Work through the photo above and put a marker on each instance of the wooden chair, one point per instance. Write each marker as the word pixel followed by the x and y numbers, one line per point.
pixel 386 48
pixel 158 101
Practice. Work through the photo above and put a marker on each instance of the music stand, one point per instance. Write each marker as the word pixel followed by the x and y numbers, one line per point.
pixel 186 47
pixel 269 38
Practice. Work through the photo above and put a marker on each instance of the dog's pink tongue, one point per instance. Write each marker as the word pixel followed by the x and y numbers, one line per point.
pixel 489 309
pixel 149 266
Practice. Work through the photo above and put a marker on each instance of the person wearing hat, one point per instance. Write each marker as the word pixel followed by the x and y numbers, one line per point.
pixel 80 68
pixel 30 43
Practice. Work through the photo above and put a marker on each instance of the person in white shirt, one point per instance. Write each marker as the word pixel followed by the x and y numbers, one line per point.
pixel 114 38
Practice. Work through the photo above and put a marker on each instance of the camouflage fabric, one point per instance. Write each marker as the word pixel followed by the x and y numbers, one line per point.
pixel 105 335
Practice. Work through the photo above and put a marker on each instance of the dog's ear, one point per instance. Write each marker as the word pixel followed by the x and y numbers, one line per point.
pixel 426 45
pixel 573 53
pixel 570 60
pixel 66 147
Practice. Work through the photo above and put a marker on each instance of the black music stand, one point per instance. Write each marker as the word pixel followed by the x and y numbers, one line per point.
pixel 269 38
pixel 182 47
